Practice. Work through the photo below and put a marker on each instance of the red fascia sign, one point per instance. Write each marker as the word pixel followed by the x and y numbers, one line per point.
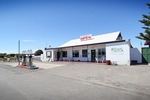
pixel 85 37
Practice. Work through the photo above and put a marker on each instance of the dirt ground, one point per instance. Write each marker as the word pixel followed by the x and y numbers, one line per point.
pixel 134 78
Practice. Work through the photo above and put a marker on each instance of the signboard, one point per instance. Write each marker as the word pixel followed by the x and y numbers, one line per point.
pixel 117 51
pixel 86 37
pixel 27 52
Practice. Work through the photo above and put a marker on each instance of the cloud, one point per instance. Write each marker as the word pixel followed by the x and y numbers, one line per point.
pixel 29 40
pixel 8 51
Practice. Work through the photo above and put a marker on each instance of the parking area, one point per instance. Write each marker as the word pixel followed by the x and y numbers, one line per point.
pixel 133 79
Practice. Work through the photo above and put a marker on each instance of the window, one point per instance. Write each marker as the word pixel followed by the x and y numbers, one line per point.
pixel 75 53
pixel 48 54
pixel 84 53
pixel 101 51
pixel 64 54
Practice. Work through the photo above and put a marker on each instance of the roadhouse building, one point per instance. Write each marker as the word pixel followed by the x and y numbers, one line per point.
pixel 90 48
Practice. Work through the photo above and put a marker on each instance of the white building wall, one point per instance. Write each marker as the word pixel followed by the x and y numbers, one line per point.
pixel 118 53
pixel 136 54
pixel 43 56
pixel 52 57
pixel 47 59
pixel 89 54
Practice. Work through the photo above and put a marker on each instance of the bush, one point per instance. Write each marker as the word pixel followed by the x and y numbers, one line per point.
pixel 13 59
pixel 1 59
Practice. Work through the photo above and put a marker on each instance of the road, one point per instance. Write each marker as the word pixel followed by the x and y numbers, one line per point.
pixel 47 84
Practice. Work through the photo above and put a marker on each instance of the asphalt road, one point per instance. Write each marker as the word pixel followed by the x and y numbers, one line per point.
pixel 22 84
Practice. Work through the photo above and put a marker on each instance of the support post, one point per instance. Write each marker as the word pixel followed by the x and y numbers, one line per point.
pixel 87 53
pixel 72 53
pixel 19 52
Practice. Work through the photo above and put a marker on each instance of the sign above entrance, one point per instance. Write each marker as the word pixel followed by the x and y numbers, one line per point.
pixel 86 37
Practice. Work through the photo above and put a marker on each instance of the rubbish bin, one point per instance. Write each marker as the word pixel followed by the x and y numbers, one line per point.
pixel 32 66
pixel 107 62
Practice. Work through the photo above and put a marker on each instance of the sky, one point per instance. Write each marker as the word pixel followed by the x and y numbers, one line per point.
pixel 43 23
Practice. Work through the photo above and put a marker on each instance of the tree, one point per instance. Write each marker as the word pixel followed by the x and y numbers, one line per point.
pixel 38 52
pixel 11 55
pixel 146 34
pixel 2 55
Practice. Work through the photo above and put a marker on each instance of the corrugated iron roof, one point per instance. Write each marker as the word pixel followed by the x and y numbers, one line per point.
pixel 95 39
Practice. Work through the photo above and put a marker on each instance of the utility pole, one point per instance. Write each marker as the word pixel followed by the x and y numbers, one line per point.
pixel 19 52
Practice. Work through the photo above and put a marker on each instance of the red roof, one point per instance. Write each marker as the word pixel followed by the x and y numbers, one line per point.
pixel 147 42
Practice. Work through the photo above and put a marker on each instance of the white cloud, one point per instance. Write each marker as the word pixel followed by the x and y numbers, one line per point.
pixel 29 40
pixel 8 51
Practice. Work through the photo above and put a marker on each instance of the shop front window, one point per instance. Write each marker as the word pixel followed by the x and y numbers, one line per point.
pixel 84 53
pixel 101 55
pixel 101 52
pixel 64 54
pixel 75 53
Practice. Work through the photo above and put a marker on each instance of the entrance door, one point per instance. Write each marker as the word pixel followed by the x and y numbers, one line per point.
pixel 58 55
pixel 93 55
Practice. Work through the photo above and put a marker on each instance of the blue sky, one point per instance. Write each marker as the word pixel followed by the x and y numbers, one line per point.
pixel 39 23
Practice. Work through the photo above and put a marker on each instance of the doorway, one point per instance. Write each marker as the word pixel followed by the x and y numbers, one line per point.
pixel 58 56
pixel 93 55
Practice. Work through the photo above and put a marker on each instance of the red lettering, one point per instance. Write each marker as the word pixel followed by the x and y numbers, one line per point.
pixel 85 38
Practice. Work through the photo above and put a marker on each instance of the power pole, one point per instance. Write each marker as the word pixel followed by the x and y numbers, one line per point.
pixel 19 52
